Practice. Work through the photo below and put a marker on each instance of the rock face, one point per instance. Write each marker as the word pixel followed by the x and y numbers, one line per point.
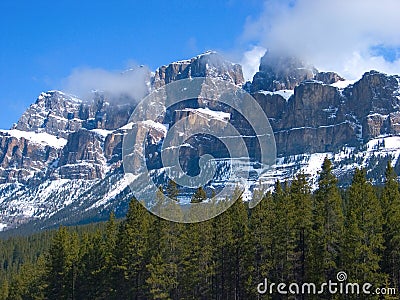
pixel 20 159
pixel 82 157
pixel 59 114
pixel 328 77
pixel 280 72
pixel 54 113
pixel 320 117
pixel 375 99
pixel 209 64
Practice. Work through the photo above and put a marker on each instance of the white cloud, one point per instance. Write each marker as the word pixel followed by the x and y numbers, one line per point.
pixel 333 35
pixel 251 61
pixel 115 85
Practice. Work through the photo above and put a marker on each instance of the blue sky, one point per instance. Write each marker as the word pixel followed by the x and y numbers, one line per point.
pixel 43 43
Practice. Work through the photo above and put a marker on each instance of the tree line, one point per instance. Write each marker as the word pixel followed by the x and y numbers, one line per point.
pixel 292 235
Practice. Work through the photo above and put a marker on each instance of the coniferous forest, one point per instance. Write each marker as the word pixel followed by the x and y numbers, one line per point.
pixel 292 235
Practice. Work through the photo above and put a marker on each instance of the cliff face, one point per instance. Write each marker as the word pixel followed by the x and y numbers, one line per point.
pixel 21 158
pixel 320 116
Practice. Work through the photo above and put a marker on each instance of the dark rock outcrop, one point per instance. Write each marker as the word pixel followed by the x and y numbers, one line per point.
pixel 328 77
pixel 279 72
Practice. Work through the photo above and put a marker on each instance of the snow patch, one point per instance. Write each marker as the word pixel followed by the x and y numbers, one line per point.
pixel 285 94
pixel 113 192
pixel 102 132
pixel 41 138
pixel 341 84
pixel 156 125
pixel 315 163
pixel 220 115
pixel 2 226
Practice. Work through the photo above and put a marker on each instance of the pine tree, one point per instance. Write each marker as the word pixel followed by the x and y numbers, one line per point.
pixel 91 278
pixel 363 240
pixel 300 196
pixel 199 196
pixel 328 226
pixel 4 290
pixel 132 253
pixel 239 247
pixel 159 281
pixel 172 190
pixel 61 265
pixel 197 254
pixel 284 234
pixel 261 249
pixel 391 224
pixel 165 251
pixel 222 241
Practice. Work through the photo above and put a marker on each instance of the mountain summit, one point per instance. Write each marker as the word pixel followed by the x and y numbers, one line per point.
pixel 62 162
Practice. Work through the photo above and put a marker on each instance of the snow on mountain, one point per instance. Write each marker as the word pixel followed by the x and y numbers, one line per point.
pixel 62 161
pixel 285 94
pixel 208 113
pixel 341 84
pixel 41 138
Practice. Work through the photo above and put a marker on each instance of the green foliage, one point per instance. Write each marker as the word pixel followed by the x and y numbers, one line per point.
pixel 363 236
pixel 292 235
pixel 327 231
pixel 172 190
pixel 61 265
pixel 390 201
pixel 199 196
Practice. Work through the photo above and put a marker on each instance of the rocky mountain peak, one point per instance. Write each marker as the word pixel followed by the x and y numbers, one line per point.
pixel 281 72
pixel 53 112
pixel 375 93
pixel 208 64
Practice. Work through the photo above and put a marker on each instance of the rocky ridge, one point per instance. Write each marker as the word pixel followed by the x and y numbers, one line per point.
pixel 61 163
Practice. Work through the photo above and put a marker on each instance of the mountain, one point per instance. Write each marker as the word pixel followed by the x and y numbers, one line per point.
pixel 62 161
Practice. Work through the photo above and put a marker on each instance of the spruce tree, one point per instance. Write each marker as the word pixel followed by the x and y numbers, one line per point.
pixel 363 238
pixel 284 234
pixel 300 196
pixel 199 196
pixel 262 248
pixel 132 253
pixel 328 226
pixel 391 224
pixel 61 265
